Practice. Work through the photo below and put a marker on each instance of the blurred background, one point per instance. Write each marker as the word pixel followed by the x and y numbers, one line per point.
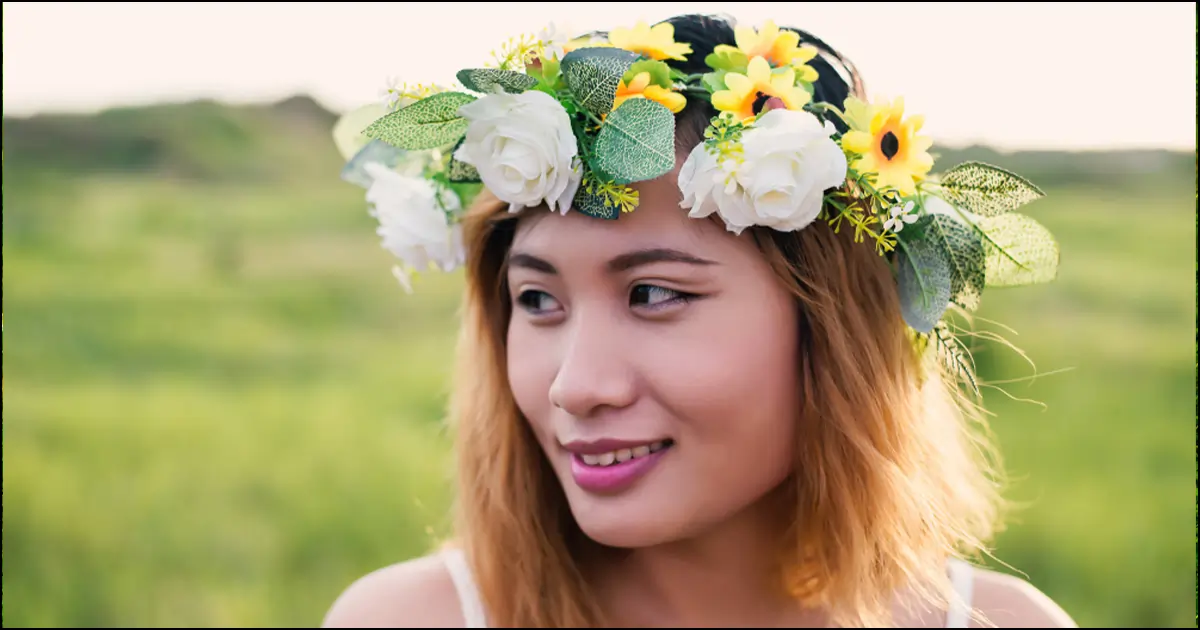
pixel 224 409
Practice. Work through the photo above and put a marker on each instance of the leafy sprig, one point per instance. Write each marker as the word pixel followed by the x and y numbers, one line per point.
pixel 516 53
pixel 861 205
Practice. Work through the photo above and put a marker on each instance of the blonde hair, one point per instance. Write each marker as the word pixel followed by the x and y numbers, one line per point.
pixel 891 478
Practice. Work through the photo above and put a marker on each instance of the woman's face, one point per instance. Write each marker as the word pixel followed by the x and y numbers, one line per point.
pixel 655 358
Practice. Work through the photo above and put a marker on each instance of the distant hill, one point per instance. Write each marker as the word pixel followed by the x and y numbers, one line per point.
pixel 203 140
pixel 1098 168
pixel 291 140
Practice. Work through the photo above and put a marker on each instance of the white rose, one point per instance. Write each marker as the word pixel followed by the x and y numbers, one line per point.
pixel 708 188
pixel 413 226
pixel 524 149
pixel 789 161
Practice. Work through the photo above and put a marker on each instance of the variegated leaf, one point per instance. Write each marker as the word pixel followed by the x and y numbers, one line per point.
pixel 964 251
pixel 461 172
pixel 637 142
pixel 595 205
pixel 593 74
pixel 1020 251
pixel 429 123
pixel 987 190
pixel 483 80
pixel 923 279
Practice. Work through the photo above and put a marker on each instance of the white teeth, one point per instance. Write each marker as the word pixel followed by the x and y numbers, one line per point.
pixel 623 455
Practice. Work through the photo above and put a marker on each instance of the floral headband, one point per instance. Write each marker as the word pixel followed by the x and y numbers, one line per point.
pixel 571 123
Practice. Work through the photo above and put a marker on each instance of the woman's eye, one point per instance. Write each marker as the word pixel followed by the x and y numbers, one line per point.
pixel 655 296
pixel 536 301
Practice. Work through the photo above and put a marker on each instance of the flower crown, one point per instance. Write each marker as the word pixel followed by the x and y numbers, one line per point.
pixel 570 123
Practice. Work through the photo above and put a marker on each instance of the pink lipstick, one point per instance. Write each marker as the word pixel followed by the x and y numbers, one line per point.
pixel 610 466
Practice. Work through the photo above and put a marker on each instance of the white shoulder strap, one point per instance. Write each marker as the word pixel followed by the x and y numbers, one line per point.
pixel 464 583
pixel 962 577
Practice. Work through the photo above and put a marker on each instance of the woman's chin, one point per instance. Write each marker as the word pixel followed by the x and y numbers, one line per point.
pixel 628 520
pixel 623 531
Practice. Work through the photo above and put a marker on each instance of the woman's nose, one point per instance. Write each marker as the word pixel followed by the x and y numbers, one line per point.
pixel 593 372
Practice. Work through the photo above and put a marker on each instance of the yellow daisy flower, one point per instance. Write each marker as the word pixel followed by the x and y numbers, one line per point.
pixel 780 48
pixel 857 114
pixel 640 87
pixel 889 147
pixel 585 42
pixel 746 93
pixel 657 43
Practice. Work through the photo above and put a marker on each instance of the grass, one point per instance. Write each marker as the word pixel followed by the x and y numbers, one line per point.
pixel 1109 465
pixel 221 409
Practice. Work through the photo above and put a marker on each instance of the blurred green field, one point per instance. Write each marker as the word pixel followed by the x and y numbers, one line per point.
pixel 224 409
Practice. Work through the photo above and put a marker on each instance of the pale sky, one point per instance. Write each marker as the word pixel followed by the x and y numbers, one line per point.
pixel 1022 75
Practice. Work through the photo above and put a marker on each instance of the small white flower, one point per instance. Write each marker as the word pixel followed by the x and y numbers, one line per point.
pixel 397 94
pixel 554 39
pixel 413 226
pixel 524 149
pixel 789 161
pixel 390 94
pixel 899 217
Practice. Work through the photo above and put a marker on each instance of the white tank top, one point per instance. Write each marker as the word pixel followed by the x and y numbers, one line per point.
pixel 961 576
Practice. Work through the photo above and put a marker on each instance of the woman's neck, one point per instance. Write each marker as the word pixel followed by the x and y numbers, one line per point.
pixel 726 577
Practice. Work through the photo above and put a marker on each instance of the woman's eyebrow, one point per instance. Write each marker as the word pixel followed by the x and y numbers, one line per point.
pixel 623 262
pixel 529 261
pixel 629 260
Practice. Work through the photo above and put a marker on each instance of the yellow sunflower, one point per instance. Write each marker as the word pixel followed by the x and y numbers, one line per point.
pixel 888 144
pixel 745 94
pixel 657 42
pixel 640 87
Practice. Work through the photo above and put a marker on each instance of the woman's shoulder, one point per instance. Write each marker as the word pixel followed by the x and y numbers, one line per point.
pixel 1008 601
pixel 417 593
pixel 1002 600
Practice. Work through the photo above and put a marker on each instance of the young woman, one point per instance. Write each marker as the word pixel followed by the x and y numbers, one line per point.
pixel 697 418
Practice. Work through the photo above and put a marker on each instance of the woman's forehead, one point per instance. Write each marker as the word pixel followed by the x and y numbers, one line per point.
pixel 659 221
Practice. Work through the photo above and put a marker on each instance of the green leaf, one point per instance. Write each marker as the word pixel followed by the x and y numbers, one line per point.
pixel 466 191
pixel 594 205
pixel 987 190
pixel 593 74
pixel 660 73
pixel 461 172
pixel 1019 237
pixel 426 124
pixel 484 80
pixel 964 251
pixel 637 142
pixel 548 76
pixel 923 279
pixel 728 58
pixel 715 81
